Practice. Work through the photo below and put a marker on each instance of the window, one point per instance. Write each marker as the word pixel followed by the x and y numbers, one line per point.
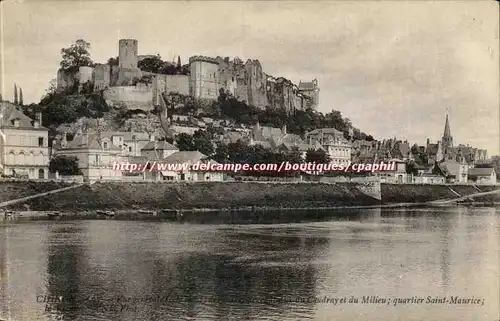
pixel 105 145
pixel 40 141
pixel 130 149
pixel 97 159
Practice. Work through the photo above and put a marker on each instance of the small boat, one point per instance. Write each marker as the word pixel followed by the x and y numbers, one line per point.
pixel 150 212
pixel 171 214
pixel 9 213
pixel 106 213
pixel 53 214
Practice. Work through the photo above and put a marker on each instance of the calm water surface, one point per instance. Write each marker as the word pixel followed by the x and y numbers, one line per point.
pixel 132 270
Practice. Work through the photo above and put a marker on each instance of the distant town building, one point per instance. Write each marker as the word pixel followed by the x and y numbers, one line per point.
pixel 158 151
pixel 456 172
pixel 399 176
pixel 130 143
pixel 460 153
pixel 278 139
pixel 482 176
pixel 190 157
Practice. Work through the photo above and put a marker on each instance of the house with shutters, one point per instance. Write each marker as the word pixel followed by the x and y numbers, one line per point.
pixel 24 149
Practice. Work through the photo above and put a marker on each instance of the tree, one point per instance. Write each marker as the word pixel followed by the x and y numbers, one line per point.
pixel 152 64
pixel 185 142
pixel 77 55
pixel 65 165
pixel 16 101
pixel 179 65
pixel 411 168
pixel 204 146
pixel 113 61
pixel 20 96
pixel 202 142
pixel 221 154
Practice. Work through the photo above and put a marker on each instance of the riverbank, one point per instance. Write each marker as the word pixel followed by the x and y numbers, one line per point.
pixel 230 196
pixel 207 195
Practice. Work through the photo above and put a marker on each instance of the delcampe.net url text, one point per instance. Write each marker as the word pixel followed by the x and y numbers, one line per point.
pixel 285 166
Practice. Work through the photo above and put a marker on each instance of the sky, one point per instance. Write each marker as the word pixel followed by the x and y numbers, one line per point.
pixel 394 68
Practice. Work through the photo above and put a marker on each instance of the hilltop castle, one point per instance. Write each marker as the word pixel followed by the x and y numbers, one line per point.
pixel 138 89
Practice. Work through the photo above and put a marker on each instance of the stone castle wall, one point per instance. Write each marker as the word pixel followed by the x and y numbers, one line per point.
pixel 85 74
pixel 66 79
pixel 134 97
pixel 169 84
pixel 245 81
pixel 102 76
pixel 126 76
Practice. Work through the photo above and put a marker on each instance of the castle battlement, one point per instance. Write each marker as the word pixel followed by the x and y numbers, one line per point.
pixel 203 59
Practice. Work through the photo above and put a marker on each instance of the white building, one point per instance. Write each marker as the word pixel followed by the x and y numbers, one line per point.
pixel 456 172
pixel 190 157
pixel 398 176
pixel 24 149
pixel 95 155
pixel 130 143
pixel 333 141
pixel 482 176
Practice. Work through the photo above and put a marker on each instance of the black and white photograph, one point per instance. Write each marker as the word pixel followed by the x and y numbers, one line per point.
pixel 322 160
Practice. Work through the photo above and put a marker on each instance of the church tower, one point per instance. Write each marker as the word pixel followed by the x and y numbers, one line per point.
pixel 447 140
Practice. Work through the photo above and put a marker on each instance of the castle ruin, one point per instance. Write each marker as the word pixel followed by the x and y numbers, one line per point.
pixel 137 89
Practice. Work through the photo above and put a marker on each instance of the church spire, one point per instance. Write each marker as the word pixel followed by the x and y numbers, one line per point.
pixel 447 140
pixel 447 131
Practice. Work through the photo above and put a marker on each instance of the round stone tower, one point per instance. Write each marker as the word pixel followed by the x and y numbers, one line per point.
pixel 127 53
pixel 204 77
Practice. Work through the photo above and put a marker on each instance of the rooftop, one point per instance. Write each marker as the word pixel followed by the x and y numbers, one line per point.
pixel 10 112
pixel 481 171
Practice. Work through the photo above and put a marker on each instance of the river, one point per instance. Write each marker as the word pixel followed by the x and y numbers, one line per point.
pixel 403 264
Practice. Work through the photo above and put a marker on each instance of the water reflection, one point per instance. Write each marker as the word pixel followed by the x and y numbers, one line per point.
pixel 4 270
pixel 254 271
pixel 66 268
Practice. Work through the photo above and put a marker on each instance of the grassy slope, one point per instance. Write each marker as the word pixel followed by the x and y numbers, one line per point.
pixel 202 195
pixel 13 190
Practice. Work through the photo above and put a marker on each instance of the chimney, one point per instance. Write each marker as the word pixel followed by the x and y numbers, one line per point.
pixel 85 138
pixel 64 140
pixel 39 118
